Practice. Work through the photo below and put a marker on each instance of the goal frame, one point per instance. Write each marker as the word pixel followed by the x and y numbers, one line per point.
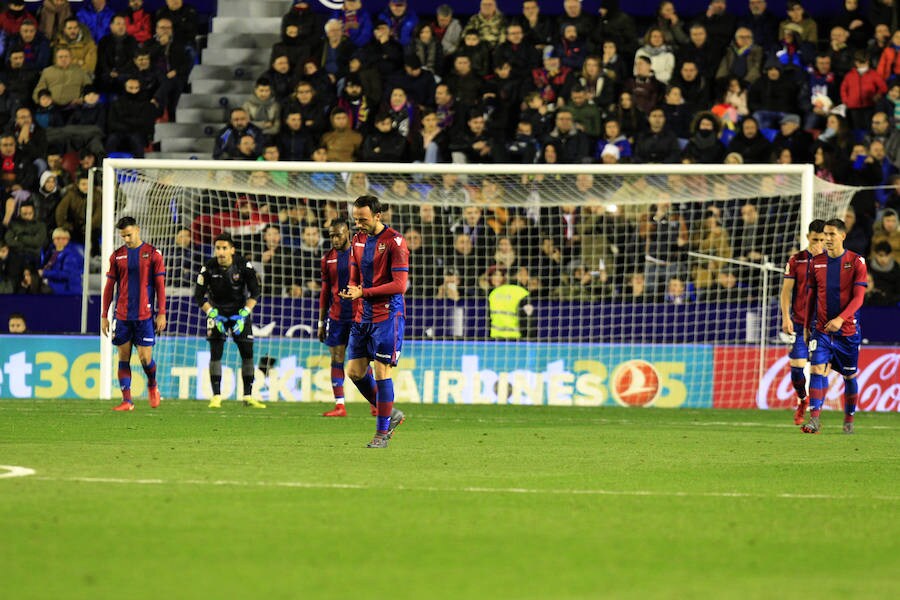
pixel 109 240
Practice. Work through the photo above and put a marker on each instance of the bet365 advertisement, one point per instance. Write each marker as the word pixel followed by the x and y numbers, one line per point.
pixel 692 376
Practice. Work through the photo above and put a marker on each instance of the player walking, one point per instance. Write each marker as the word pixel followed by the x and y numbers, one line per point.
pixel 227 291
pixel 837 281
pixel 336 313
pixel 135 271
pixel 793 311
pixel 379 270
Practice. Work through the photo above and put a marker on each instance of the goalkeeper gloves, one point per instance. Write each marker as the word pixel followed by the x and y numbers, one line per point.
pixel 218 319
pixel 238 326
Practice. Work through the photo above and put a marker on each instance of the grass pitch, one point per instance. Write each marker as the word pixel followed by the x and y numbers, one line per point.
pixel 468 502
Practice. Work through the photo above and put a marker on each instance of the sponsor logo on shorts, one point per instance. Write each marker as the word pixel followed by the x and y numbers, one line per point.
pixel 147 339
pixel 382 355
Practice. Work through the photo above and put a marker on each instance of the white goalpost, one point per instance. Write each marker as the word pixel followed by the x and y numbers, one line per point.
pixel 640 284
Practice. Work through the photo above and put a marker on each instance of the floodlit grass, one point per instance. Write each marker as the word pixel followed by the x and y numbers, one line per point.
pixel 468 502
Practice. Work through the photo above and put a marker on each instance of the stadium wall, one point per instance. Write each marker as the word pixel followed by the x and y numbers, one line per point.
pixel 670 375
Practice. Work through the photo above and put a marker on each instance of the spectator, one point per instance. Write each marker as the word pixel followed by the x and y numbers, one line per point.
pixel 792 138
pixel 889 61
pixel 113 55
pixel 153 81
pixel 173 61
pixel 679 114
pixel 538 30
pixel 521 55
pixel 335 51
pixel 72 211
pixel 262 108
pixel 677 292
pixel 447 29
pixel 879 42
pixel 665 238
pixel 64 80
pixel 773 96
pixel 427 48
pixel 356 21
pixel 137 21
pixel 34 44
pixel 466 85
pixel 46 199
pixel 614 67
pixel 63 268
pixel 489 23
pixel 11 267
pixel 585 114
pixel 572 47
pixel 16 169
pixel 401 20
pixel 860 89
pixel 185 23
pixel 695 89
pixel 824 92
pixel 753 147
pixel 762 23
pixel 573 14
pixel 183 261
pixel 30 282
pixel 443 201
pixel 704 145
pixel 52 16
pixel 417 84
pixel 636 289
pixel 479 53
pixel 503 99
pixel 599 88
pixel 657 144
pixel 12 18
pixel 77 38
pixel 743 59
pixel 96 16
pixel 662 60
pixel 16 324
pixel 887 230
pixel 26 236
pixel 385 144
pixel 343 142
pixel 311 108
pixel 293 142
pixel 719 25
pixel 612 136
pixel 809 31
pixel 429 143
pixel 280 77
pixel 574 146
pixel 700 51
pixel 875 294
pixel 86 126
pixel 671 25
pixel 31 139
pixel 131 121
pixel 228 137
pixel 644 88
pixel 473 143
pixel 885 270
pixel 276 262
pixel 616 26
pixel 727 288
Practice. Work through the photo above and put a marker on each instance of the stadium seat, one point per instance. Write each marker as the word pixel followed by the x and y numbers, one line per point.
pixel 769 134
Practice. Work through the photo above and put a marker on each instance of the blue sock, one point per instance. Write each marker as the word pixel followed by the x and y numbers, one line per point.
pixel 125 380
pixel 798 378
pixel 851 392
pixel 150 370
pixel 385 404
pixel 366 387
pixel 818 385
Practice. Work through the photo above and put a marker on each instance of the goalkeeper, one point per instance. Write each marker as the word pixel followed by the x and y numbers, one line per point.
pixel 227 291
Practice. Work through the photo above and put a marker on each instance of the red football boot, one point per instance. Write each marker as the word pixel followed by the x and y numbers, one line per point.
pixel 125 406
pixel 153 394
pixel 800 412
pixel 339 411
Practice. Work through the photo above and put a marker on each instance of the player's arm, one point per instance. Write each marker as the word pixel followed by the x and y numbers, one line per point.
pixel 811 285
pixel 787 290
pixel 109 289
pixel 201 290
pixel 354 287
pixel 857 295
pixel 159 284
pixel 324 298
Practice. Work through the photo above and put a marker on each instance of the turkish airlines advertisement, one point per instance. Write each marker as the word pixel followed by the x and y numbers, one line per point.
pixel 879 380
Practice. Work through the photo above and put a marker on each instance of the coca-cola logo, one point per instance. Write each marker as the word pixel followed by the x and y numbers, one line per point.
pixel 635 383
pixel 879 386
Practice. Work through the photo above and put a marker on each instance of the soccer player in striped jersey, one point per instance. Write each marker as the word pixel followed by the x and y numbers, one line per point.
pixel 793 311
pixel 136 274
pixel 379 271
pixel 836 289
pixel 336 313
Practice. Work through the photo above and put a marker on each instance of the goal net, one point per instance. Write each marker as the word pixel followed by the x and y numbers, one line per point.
pixel 615 284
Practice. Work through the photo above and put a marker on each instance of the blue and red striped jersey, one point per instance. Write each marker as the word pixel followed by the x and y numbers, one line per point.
pixel 831 283
pixel 380 263
pixel 137 273
pixel 336 277
pixel 798 269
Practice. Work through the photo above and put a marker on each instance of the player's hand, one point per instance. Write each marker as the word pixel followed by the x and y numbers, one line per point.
pixel 160 323
pixel 239 321
pixel 219 320
pixel 351 292
pixel 834 325
pixel 104 327
pixel 788 327
pixel 322 334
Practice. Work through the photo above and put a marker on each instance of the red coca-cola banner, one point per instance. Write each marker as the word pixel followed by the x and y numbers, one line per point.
pixel 879 380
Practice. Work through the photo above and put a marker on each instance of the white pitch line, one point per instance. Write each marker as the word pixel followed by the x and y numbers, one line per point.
pixel 467 489
pixel 13 471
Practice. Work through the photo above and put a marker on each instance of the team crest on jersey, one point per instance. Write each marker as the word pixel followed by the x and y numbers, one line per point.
pixel 381 247
pixel 145 255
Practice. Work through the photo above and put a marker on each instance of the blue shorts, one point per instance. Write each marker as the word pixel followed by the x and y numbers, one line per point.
pixel 377 341
pixel 839 351
pixel 798 348
pixel 338 332
pixel 139 333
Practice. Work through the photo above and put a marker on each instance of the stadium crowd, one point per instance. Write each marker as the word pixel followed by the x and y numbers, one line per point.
pixel 404 85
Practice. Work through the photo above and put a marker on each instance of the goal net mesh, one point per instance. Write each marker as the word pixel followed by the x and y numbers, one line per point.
pixel 638 288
